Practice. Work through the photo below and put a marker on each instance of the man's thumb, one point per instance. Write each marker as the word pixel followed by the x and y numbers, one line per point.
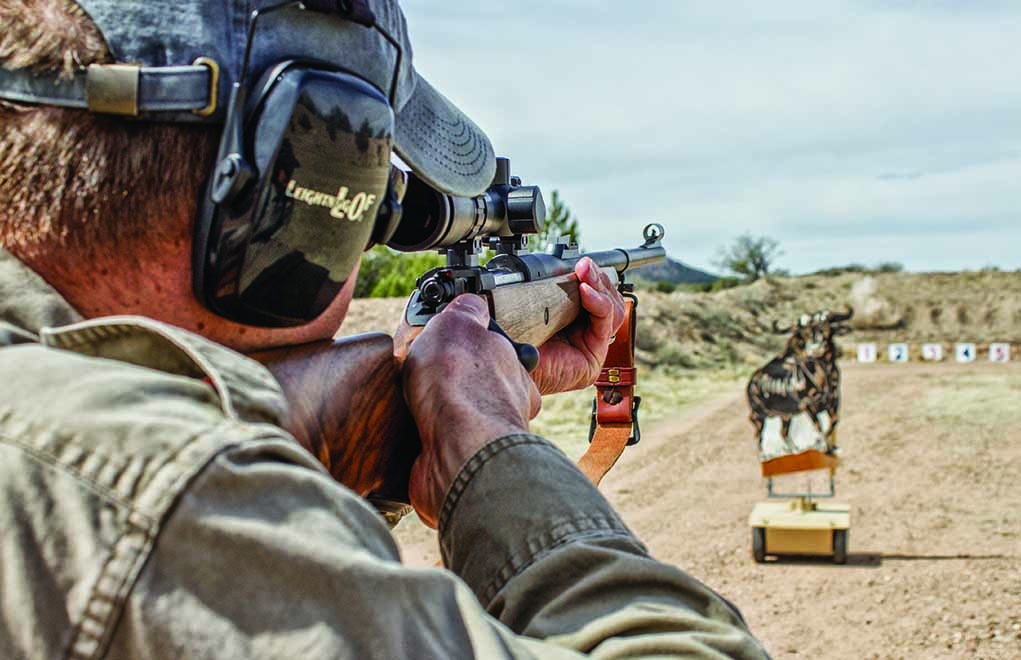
pixel 471 304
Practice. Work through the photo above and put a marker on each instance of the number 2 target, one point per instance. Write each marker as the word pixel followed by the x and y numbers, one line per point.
pixel 899 353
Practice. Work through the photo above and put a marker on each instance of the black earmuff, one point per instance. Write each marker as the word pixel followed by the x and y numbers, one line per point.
pixel 301 187
pixel 301 174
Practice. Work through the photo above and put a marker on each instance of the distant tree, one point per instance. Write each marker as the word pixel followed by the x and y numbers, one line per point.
pixel 890 267
pixel 559 222
pixel 750 257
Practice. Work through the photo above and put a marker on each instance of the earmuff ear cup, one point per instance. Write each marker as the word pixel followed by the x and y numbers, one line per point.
pixel 279 251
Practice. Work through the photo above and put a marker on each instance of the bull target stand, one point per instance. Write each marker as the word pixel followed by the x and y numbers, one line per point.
pixel 800 523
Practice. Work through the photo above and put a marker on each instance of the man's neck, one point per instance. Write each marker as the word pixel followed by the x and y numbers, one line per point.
pixel 154 284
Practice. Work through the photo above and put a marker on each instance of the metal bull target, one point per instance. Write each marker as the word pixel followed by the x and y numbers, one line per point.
pixel 803 379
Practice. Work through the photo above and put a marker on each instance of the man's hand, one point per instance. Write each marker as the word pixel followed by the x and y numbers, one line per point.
pixel 465 387
pixel 572 359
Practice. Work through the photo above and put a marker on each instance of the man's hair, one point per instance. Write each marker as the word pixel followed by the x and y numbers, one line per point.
pixel 79 181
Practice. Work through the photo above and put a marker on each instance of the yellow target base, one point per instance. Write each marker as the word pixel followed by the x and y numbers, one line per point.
pixel 800 527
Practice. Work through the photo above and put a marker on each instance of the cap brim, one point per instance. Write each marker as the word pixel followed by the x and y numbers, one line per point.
pixel 444 148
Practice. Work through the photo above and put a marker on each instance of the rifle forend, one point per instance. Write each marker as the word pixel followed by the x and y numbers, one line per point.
pixel 531 295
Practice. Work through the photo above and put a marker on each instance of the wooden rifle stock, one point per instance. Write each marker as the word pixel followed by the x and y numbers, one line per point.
pixel 346 403
pixel 347 408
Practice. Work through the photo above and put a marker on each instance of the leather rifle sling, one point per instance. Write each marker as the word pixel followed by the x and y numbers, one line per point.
pixel 614 407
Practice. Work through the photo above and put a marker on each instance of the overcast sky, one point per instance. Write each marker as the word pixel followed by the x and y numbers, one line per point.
pixel 855 131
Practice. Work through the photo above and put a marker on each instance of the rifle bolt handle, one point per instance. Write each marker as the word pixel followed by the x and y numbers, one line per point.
pixel 528 355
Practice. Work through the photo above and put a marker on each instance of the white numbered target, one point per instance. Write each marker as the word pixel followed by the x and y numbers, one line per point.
pixel 964 352
pixel 866 352
pixel 898 352
pixel 999 352
pixel 932 352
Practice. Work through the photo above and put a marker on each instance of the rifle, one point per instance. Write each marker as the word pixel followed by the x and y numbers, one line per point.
pixel 345 395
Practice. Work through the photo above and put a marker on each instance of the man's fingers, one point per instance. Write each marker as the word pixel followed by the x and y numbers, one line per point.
pixel 600 310
pixel 606 301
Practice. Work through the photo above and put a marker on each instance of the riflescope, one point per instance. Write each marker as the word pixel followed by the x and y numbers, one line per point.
pixel 432 220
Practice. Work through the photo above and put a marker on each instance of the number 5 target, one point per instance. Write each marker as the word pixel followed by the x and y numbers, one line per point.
pixel 999 352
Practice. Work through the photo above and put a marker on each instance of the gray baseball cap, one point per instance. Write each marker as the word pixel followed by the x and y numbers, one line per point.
pixel 177 60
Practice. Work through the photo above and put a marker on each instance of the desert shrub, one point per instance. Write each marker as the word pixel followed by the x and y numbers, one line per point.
pixel 672 354
pixel 644 339
pixel 728 354
pixel 665 287
pixel 841 270
pixel 725 283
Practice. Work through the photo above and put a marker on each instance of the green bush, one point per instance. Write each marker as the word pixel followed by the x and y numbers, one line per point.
pixel 725 283
pixel 388 274
pixel 666 287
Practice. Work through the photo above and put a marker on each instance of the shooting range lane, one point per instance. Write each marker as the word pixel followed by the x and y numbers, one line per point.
pixel 931 467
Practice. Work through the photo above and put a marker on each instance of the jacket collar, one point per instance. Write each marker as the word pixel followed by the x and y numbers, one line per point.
pixel 32 310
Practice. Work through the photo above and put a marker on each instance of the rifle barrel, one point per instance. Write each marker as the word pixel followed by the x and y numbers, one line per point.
pixel 622 259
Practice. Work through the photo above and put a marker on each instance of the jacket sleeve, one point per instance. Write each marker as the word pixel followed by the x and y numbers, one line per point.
pixel 265 556
pixel 545 553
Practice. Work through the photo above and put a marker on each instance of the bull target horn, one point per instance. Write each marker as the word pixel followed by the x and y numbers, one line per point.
pixel 843 316
pixel 780 331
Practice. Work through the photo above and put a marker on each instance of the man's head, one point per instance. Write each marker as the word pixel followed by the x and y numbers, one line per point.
pixel 90 185
pixel 88 192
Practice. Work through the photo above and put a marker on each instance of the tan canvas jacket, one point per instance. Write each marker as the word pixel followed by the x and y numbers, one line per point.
pixel 152 507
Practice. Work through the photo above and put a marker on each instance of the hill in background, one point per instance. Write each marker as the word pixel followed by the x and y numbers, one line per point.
pixel 732 328
pixel 674 272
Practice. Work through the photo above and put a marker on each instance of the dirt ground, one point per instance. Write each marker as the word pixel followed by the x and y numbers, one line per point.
pixel 932 471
